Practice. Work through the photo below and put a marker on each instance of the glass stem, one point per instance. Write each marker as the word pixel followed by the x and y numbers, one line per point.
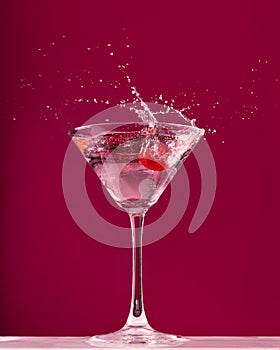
pixel 137 317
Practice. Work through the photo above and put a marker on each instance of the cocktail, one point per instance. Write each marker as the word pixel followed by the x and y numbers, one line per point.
pixel 135 162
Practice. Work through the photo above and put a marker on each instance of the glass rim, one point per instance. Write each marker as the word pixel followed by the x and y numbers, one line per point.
pixel 184 126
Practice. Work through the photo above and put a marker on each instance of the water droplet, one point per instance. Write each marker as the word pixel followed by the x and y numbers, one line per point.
pixel 109 44
pixel 100 80
pixel 111 53
pixel 14 119
pixel 95 100
pixel 193 123
pixel 88 48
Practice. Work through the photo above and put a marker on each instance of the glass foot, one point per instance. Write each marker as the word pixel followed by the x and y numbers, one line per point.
pixel 137 336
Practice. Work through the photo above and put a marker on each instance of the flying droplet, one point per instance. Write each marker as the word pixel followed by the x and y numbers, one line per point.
pixel 193 121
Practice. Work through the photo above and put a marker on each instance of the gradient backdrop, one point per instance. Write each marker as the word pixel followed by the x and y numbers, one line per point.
pixel 222 58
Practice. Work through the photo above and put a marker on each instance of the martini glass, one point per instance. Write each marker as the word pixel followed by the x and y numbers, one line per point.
pixel 135 162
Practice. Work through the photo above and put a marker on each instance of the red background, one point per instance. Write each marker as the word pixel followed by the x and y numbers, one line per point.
pixel 224 279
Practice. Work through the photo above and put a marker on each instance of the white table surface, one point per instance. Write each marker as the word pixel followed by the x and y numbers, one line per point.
pixel 196 343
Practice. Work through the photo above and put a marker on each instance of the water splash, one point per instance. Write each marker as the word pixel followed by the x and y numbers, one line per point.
pixel 145 114
pixel 91 87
